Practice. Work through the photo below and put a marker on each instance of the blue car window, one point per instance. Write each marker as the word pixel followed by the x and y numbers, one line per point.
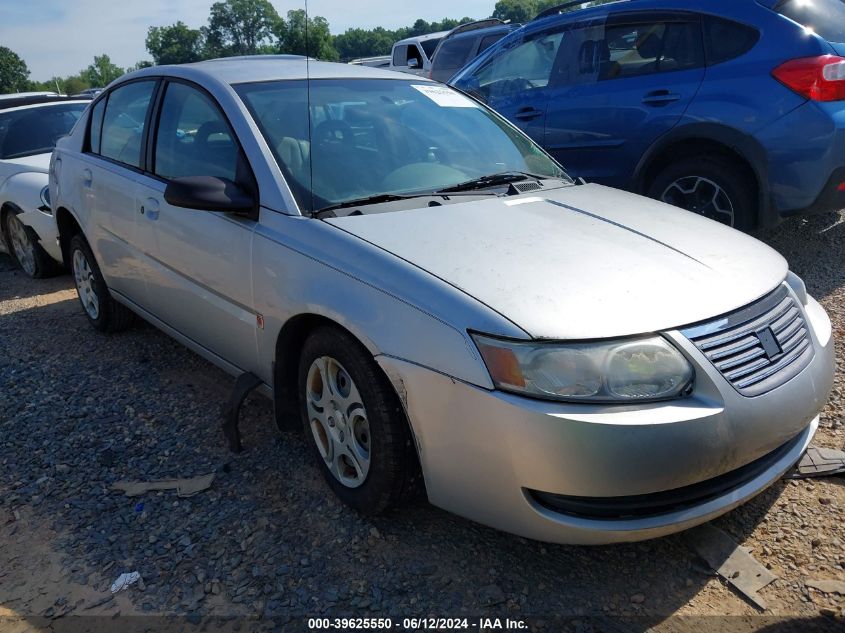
pixel 521 66
pixel 631 50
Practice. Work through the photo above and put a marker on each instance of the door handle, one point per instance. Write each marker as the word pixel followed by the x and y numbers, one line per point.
pixel 87 177
pixel 661 98
pixel 150 208
pixel 526 114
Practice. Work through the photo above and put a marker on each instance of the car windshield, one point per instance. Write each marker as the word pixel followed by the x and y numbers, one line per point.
pixel 825 17
pixel 35 130
pixel 372 137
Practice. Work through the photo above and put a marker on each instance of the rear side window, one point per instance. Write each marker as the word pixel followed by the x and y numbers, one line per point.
pixel 124 122
pixel 429 46
pixel 825 17
pixel 725 40
pixel 631 50
pixel 193 137
pixel 95 130
pixel 35 130
pixel 453 53
pixel 488 41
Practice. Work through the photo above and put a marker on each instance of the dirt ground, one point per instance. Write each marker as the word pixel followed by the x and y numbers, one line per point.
pixel 269 542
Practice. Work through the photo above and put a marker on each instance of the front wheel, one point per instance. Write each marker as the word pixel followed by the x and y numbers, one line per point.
pixel 103 312
pixel 355 423
pixel 29 254
pixel 711 186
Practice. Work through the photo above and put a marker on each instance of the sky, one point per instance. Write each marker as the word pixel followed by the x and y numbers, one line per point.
pixel 61 37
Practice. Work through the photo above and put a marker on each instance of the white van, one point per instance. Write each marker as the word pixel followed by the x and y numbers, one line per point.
pixel 414 54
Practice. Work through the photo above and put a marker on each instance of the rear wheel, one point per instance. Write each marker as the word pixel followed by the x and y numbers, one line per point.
pixel 712 186
pixel 28 253
pixel 355 423
pixel 103 312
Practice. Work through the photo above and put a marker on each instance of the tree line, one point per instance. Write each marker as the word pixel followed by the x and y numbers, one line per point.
pixel 250 27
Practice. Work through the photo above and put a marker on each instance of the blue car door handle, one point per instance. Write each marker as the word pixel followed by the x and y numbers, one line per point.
pixel 526 114
pixel 149 208
pixel 661 98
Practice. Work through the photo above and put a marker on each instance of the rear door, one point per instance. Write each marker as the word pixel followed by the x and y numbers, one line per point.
pixel 616 87
pixel 112 164
pixel 201 261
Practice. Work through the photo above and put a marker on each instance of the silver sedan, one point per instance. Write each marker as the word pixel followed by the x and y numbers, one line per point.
pixel 436 303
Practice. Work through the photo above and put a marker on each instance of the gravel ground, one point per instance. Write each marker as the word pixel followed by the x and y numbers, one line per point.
pixel 80 410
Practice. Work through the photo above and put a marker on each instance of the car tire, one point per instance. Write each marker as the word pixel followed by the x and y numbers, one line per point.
pixel 357 427
pixel 102 311
pixel 29 255
pixel 712 186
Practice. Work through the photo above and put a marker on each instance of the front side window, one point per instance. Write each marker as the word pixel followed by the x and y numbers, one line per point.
pixel 193 137
pixel 124 122
pixel 369 137
pixel 523 65
pixel 35 130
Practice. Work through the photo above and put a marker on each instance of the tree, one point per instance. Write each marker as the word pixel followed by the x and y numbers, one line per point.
pixel 516 10
pixel 240 27
pixel 102 72
pixel 355 43
pixel 301 36
pixel 14 74
pixel 174 44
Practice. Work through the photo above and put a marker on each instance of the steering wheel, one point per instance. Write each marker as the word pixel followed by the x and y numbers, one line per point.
pixel 334 133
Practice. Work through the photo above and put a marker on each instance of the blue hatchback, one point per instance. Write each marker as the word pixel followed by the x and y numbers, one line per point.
pixel 734 109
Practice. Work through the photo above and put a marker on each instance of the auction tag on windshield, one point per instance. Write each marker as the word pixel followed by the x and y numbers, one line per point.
pixel 445 97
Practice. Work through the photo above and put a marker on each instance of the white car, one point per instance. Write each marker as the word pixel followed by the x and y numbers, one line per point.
pixel 414 54
pixel 30 125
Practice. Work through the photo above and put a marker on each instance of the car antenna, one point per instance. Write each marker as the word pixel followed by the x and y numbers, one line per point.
pixel 308 105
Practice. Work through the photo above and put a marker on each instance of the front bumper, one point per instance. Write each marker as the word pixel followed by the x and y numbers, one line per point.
pixel 485 454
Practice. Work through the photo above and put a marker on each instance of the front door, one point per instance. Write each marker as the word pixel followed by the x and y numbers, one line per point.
pixel 201 283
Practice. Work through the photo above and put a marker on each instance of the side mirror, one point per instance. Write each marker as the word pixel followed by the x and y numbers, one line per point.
pixel 413 63
pixel 207 193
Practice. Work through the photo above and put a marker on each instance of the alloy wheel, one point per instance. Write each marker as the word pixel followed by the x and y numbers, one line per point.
pixel 22 246
pixel 84 278
pixel 700 195
pixel 338 421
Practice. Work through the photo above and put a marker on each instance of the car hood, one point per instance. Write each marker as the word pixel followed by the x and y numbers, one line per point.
pixel 581 262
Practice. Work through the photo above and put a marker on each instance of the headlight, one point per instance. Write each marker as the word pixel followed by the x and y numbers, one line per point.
pixel 45 201
pixel 632 370
pixel 797 284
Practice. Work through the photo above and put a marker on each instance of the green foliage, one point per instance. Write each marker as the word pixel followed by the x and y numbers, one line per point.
pixel 354 43
pixel 174 44
pixel 292 36
pixel 102 72
pixel 240 27
pixel 14 74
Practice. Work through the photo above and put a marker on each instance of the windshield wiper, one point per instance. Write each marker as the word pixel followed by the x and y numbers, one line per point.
pixel 492 180
pixel 360 202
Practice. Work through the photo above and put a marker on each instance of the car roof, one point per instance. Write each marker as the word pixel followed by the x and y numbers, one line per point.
pixel 422 38
pixel 259 68
pixel 10 103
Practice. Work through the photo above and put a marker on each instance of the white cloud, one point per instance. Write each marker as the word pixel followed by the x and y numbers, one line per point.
pixel 56 37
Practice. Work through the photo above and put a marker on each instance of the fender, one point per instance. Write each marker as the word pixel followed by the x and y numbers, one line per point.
pixel 745 145
pixel 23 190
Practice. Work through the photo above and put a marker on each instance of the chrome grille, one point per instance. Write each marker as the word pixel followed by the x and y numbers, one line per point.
pixel 759 347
